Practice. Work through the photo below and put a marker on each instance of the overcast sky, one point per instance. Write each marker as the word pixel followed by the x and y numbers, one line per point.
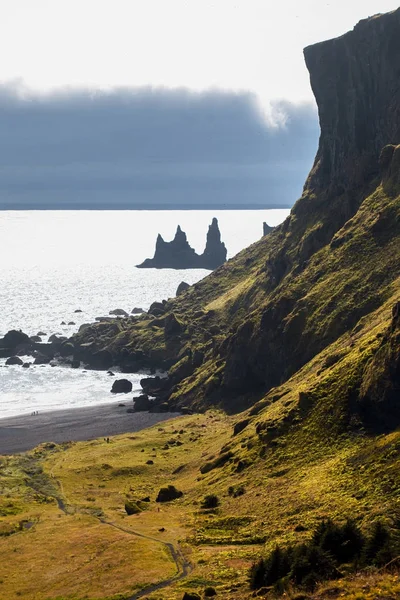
pixel 56 127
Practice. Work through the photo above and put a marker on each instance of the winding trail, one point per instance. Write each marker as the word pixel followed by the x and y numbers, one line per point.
pixel 183 566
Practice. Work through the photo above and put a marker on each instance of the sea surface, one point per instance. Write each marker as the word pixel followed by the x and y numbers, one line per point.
pixel 55 262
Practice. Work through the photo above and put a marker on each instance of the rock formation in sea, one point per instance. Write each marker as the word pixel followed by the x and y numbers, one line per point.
pixel 267 228
pixel 178 254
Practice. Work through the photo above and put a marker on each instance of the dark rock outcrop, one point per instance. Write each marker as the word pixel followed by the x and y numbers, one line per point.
pixel 267 228
pixel 166 494
pixel 182 287
pixel 14 360
pixel 355 82
pixel 13 342
pixel 215 252
pixel 121 386
pixel 118 312
pixel 142 403
pixel 178 254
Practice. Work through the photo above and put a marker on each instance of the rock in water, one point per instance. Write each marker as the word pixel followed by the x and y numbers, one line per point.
pixel 267 228
pixel 215 252
pixel 14 360
pixel 119 312
pixel 178 254
pixel 121 386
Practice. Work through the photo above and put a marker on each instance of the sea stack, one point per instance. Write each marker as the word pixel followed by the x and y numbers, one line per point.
pixel 267 228
pixel 178 254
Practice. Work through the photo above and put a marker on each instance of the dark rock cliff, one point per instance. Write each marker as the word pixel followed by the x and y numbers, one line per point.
pixel 178 254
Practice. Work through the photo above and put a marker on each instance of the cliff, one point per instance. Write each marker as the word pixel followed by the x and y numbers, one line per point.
pixel 300 333
pixel 178 254
pixel 311 288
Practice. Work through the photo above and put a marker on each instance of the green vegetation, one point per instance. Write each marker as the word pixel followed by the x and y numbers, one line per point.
pixel 330 548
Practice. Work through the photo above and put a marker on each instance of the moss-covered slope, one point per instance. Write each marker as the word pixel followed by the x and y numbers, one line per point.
pixel 261 317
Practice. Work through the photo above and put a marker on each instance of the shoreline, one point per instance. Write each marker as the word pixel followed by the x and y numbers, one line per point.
pixel 25 432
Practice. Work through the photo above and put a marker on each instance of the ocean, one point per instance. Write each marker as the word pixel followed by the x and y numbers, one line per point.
pixel 53 263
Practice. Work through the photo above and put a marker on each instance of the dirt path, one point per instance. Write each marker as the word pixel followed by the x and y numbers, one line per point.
pixel 183 566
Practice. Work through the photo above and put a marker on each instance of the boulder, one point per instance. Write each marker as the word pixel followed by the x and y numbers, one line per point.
pixel 118 312
pixel 54 338
pixel 26 365
pixel 121 386
pixel 14 360
pixel 36 339
pixel 77 310
pixel 142 403
pixel 137 311
pixel 182 287
pixel 41 333
pixel 71 322
pixel 12 341
pixel 167 494
pixel 41 359
pixel 172 326
pixel 191 596
pixel 157 309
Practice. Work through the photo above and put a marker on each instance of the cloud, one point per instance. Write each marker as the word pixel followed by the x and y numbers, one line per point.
pixel 150 146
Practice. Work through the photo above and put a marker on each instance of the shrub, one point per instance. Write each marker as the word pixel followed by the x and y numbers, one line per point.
pixel 132 508
pixel 166 494
pixel 331 545
pixel 210 501
pixel 344 543
pixel 378 549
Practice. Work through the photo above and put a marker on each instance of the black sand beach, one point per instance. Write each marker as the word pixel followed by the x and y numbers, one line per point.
pixel 18 434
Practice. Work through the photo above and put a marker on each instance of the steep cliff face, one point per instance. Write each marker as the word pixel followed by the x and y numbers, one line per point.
pixel 356 82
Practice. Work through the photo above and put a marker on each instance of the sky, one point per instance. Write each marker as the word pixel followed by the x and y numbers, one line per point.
pixel 87 62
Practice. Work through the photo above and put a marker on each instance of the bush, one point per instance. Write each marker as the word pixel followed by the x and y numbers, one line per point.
pixel 132 508
pixel 210 501
pixel 378 549
pixel 331 545
pixel 166 494
pixel 344 543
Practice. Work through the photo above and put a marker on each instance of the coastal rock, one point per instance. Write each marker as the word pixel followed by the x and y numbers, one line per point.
pixel 137 311
pixel 41 359
pixel 215 252
pixel 41 334
pixel 77 310
pixel 121 386
pixel 54 338
pixel 267 228
pixel 178 254
pixel 182 287
pixel 142 403
pixel 14 360
pixel 13 339
pixel 36 338
pixel 118 312
pixel 157 309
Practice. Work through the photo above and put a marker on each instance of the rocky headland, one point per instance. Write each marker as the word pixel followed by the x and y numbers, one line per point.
pixel 178 254
pixel 300 333
pixel 258 319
